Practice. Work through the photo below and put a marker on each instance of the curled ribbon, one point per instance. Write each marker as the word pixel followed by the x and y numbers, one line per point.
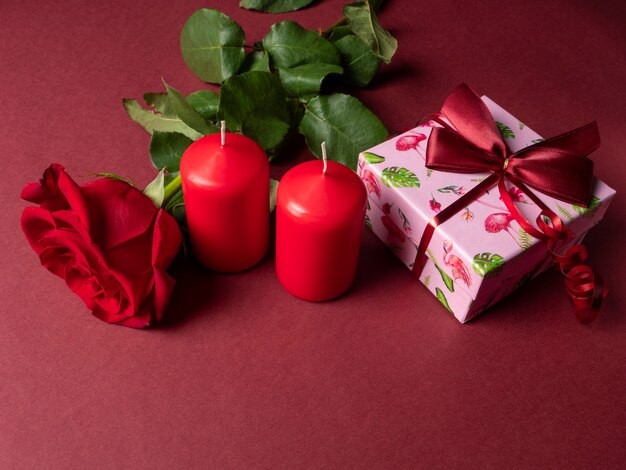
pixel 469 142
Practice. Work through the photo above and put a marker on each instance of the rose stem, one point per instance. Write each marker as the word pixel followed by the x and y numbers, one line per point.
pixel 171 189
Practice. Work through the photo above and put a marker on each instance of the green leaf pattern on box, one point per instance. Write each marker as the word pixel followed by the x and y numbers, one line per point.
pixel 442 298
pixel 398 177
pixel 589 211
pixel 488 264
pixel 505 130
pixel 372 158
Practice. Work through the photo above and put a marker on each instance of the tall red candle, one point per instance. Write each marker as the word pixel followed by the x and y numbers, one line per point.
pixel 319 222
pixel 225 182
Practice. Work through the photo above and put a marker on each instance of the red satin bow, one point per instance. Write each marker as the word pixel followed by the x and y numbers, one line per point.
pixel 469 142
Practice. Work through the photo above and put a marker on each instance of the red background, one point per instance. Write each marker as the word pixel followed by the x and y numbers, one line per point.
pixel 243 375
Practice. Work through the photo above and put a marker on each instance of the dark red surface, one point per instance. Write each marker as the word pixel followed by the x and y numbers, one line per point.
pixel 243 375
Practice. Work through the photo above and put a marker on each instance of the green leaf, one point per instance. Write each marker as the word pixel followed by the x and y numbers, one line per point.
pixel 273 192
pixel 505 131
pixel 186 113
pixel 346 125
pixel 254 104
pixel 372 158
pixel 166 150
pixel 536 141
pixel 304 81
pixel 296 111
pixel 290 45
pixel 205 102
pixel 447 280
pixel 160 102
pixel 399 177
pixel 359 62
pixel 368 222
pixel 274 6
pixel 488 264
pixel 364 23
pixel 256 60
pixel 152 121
pixel 589 211
pixel 212 45
pixel 156 189
pixel 442 298
pixel 339 32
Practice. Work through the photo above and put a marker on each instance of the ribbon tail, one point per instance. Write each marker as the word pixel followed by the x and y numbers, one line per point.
pixel 585 288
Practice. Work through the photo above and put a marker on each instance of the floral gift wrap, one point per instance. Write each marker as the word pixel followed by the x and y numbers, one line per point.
pixel 481 254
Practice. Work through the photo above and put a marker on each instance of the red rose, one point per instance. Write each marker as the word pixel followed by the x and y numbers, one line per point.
pixel 107 240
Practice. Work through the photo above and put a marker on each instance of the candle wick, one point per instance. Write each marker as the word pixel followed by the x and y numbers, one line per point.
pixel 223 129
pixel 324 158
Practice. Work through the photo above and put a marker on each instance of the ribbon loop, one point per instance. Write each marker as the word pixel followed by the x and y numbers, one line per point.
pixel 472 120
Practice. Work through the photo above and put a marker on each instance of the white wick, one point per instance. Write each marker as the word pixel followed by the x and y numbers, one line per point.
pixel 324 158
pixel 223 132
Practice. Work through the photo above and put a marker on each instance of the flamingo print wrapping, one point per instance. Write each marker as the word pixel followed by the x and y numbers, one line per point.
pixel 481 254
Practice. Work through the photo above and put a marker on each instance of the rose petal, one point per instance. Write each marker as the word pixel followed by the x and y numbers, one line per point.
pixel 165 245
pixel 166 241
pixel 57 191
pixel 35 222
pixel 140 320
pixel 119 211
pixel 163 287
pixel 133 257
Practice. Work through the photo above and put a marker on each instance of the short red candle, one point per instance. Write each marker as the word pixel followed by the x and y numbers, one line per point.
pixel 319 222
pixel 226 190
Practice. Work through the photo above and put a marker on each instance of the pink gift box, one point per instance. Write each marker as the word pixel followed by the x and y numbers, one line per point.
pixel 481 254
